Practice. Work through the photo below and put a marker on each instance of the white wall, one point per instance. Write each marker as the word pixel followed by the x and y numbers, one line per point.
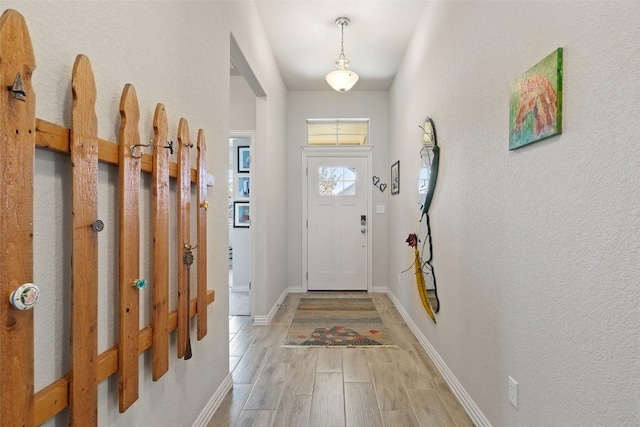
pixel 176 53
pixel 535 250
pixel 317 105
pixel 242 118
pixel 242 114
pixel 269 167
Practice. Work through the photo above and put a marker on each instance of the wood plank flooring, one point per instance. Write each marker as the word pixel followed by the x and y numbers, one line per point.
pixel 326 387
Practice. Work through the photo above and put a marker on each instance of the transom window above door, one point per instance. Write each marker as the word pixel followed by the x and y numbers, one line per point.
pixel 337 131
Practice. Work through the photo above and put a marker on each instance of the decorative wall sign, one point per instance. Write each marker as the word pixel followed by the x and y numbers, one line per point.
pixel 535 102
pixel 376 182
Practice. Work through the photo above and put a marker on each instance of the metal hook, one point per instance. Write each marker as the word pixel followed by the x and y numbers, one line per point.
pixel 97 226
pixel 169 146
pixel 18 88
pixel 187 258
pixel 133 149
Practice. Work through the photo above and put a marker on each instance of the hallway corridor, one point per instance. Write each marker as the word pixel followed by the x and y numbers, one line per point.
pixel 325 387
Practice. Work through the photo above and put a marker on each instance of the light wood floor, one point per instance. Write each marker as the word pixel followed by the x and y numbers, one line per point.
pixel 326 387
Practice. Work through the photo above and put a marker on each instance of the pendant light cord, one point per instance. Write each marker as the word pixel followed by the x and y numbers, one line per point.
pixel 342 40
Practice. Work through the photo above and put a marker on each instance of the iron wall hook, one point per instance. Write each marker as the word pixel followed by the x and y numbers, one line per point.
pixel 133 149
pixel 169 146
pixel 18 89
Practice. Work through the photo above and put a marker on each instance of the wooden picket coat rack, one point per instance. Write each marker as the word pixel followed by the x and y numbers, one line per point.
pixel 20 133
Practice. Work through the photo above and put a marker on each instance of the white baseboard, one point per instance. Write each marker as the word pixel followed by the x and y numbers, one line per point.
pixel 467 402
pixel 210 408
pixel 266 320
pixel 380 290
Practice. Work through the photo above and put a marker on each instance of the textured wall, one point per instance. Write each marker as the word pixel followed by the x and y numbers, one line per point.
pixel 176 53
pixel 536 250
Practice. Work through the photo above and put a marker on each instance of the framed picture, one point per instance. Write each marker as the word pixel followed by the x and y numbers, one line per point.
pixel 243 186
pixel 395 178
pixel 535 102
pixel 244 159
pixel 241 216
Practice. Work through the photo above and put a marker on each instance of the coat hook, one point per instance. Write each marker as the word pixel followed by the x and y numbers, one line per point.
pixel 169 146
pixel 140 283
pixel 133 150
pixel 97 226
pixel 18 88
pixel 25 296
pixel 187 258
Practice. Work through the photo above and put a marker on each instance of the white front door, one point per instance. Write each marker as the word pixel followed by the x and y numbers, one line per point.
pixel 337 230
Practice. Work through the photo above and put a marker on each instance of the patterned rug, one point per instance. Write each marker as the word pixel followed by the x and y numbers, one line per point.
pixel 337 322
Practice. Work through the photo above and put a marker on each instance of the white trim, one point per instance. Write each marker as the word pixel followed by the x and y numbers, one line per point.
pixel 212 405
pixel 363 151
pixel 465 399
pixel 266 320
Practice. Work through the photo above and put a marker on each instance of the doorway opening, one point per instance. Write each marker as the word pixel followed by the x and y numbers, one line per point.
pixel 240 239
pixel 244 94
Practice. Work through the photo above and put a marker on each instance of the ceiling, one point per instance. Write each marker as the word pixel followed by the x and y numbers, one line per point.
pixel 306 41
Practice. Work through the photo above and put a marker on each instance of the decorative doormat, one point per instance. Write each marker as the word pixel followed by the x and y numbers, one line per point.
pixel 337 322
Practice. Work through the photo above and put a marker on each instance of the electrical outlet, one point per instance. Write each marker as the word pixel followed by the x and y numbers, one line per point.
pixel 513 392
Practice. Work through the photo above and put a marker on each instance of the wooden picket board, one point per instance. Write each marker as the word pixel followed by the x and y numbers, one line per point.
pixel 129 246
pixel 184 232
pixel 54 398
pixel 201 219
pixel 17 130
pixel 83 395
pixel 160 263
pixel 53 137
pixel 21 133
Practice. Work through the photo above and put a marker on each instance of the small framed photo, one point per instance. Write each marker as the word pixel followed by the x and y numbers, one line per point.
pixel 241 218
pixel 243 186
pixel 395 178
pixel 244 159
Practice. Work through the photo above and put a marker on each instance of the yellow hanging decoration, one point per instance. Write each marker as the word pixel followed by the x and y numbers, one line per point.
pixel 422 288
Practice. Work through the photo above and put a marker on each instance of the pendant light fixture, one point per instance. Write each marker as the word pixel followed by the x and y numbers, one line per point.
pixel 342 79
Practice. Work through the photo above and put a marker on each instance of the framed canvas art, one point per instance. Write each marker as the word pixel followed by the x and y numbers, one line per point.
pixel 244 159
pixel 535 102
pixel 244 186
pixel 395 178
pixel 241 217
